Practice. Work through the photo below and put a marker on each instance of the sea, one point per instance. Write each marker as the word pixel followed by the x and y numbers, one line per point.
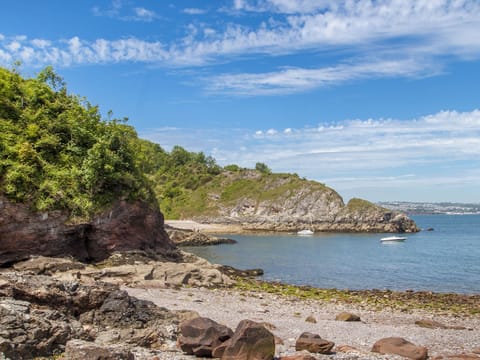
pixel 445 260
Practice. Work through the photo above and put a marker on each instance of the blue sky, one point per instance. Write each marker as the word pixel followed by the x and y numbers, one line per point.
pixel 378 99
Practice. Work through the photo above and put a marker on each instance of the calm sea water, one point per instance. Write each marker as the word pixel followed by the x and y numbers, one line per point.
pixel 444 260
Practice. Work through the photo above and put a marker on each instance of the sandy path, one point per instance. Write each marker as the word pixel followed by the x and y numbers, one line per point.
pixel 288 316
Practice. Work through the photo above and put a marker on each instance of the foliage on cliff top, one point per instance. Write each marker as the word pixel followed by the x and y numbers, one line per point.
pixel 57 153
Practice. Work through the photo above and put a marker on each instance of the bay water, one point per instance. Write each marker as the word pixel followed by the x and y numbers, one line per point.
pixel 444 260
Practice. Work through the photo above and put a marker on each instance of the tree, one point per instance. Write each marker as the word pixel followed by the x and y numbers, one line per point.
pixel 263 168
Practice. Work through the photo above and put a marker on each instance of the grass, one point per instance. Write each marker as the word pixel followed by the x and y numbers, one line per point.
pixel 407 301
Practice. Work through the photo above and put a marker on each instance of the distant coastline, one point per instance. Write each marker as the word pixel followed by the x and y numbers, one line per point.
pixel 428 208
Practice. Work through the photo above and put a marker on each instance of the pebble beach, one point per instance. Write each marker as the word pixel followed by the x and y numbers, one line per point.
pixel 286 318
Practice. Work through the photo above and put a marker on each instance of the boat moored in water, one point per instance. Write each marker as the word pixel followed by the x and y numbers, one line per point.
pixel 305 232
pixel 393 239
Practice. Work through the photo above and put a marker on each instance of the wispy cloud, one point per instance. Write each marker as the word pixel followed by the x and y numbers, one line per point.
pixel 439 149
pixel 118 11
pixel 293 80
pixel 194 11
pixel 142 14
pixel 378 39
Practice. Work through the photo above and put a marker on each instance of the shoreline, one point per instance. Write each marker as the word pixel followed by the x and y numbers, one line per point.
pixel 286 317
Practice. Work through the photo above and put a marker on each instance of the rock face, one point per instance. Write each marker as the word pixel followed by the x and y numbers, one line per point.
pixel 125 226
pixel 281 202
pixel 40 314
pixel 400 346
pixel 201 336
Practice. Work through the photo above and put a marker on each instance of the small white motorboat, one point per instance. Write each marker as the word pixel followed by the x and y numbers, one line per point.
pixel 393 239
pixel 305 232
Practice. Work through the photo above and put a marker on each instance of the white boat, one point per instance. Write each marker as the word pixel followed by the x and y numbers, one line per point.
pixel 305 232
pixel 393 238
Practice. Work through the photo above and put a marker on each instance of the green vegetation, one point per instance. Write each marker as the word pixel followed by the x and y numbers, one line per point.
pixel 57 153
pixel 356 204
pixel 263 168
pixel 408 301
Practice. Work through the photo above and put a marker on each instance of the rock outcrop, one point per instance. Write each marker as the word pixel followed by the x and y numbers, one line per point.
pixel 282 202
pixel 40 314
pixel 125 226
pixel 182 237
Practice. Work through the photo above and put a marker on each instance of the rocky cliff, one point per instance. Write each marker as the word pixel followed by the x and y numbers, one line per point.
pixel 283 202
pixel 124 226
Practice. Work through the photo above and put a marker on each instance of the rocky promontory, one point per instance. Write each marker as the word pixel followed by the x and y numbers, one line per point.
pixel 284 202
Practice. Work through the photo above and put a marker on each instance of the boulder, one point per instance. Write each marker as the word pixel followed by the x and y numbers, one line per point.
pixel 313 343
pixel 346 316
pixel 400 346
pixel 311 319
pixel 251 341
pixel 85 350
pixel 201 335
pixel 124 226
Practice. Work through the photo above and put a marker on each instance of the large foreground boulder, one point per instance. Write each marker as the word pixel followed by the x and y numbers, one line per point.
pixel 201 335
pixel 124 226
pixel 400 346
pixel 251 341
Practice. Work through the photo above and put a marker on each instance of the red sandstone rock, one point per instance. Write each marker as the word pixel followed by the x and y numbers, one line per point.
pixel 125 226
pixel 400 346
pixel 251 341
pixel 313 343
pixel 201 335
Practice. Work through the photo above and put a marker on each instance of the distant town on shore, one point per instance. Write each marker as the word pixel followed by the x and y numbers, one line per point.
pixel 420 208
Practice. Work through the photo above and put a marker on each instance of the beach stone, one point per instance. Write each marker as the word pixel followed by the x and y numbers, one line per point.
pixel 463 356
pixel 346 349
pixel 400 346
pixel 430 324
pixel 85 350
pixel 313 343
pixel 251 341
pixel 299 356
pixel 200 336
pixel 311 319
pixel 346 316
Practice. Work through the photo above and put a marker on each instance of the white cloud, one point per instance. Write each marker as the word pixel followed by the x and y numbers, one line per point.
pixel 194 11
pixel 142 14
pixel 443 148
pixel 299 79
pixel 283 6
